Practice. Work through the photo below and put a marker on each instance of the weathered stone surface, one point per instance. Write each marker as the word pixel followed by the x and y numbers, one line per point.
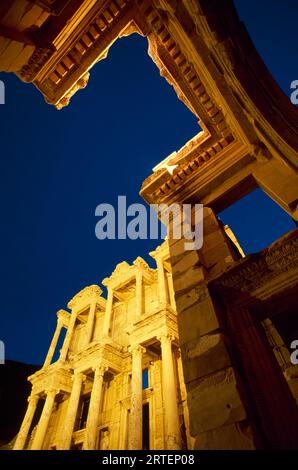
pixel 214 255
pixel 189 259
pixel 191 296
pixel 204 355
pixel 234 436
pixel 214 401
pixel 197 320
pixel 191 278
pixel 177 249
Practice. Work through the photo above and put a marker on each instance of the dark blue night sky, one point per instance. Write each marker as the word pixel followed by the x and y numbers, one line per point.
pixel 57 166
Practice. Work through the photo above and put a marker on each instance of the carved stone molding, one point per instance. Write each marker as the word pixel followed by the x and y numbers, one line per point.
pixel 85 295
pixel 36 61
pixel 257 271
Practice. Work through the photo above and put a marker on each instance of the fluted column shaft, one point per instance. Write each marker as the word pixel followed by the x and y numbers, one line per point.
pixel 139 296
pixel 44 420
pixel 172 426
pixel 162 288
pixel 94 409
pixel 136 409
pixel 108 313
pixel 27 421
pixel 53 344
pixel 90 323
pixel 71 413
pixel 68 336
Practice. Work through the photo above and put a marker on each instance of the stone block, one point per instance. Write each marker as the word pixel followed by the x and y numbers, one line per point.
pixel 203 356
pixel 176 248
pixel 279 181
pixel 213 253
pixel 187 280
pixel 197 320
pixel 211 239
pixel 190 259
pixel 189 298
pixel 214 401
pixel 236 436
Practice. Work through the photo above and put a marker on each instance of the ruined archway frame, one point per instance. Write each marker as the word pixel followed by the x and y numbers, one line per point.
pixel 204 64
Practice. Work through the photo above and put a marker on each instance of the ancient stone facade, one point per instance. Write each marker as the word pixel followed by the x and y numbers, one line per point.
pixel 247 138
pixel 118 381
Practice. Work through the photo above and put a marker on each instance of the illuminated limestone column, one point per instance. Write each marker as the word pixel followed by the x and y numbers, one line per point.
pixel 108 313
pixel 90 323
pixel 27 421
pixel 172 426
pixel 94 409
pixel 71 413
pixel 139 295
pixel 44 420
pixel 68 336
pixel 136 409
pixel 162 288
pixel 54 342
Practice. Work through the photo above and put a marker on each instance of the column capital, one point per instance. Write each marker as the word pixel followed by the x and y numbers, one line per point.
pixel 59 321
pixel 33 399
pixel 51 391
pixel 78 375
pixel 159 261
pixel 100 370
pixel 166 338
pixel 137 349
pixel 139 274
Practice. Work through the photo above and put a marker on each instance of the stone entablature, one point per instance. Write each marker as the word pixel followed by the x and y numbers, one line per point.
pixel 207 56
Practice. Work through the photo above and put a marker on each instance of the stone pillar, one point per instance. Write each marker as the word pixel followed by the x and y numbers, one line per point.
pixel 162 288
pixel 90 323
pixel 207 366
pixel 68 336
pixel 44 420
pixel 94 409
pixel 172 426
pixel 71 413
pixel 135 438
pixel 280 182
pixel 108 313
pixel 274 403
pixel 27 421
pixel 53 344
pixel 139 296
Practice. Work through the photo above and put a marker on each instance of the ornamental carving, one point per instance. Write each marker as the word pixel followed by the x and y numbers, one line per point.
pixel 84 296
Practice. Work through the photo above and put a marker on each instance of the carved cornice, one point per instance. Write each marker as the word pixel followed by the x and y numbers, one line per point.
pixel 122 269
pixel 63 317
pixel 160 184
pixel 257 272
pixel 88 42
pixel 81 83
pixel 39 57
pixel 86 295
pixel 137 350
pixel 145 268
pixel 89 39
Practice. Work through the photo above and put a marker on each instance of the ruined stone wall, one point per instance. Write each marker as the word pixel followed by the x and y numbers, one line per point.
pixel 218 417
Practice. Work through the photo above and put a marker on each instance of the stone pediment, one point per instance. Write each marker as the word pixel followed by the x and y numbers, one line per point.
pixel 85 296
pixel 121 269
